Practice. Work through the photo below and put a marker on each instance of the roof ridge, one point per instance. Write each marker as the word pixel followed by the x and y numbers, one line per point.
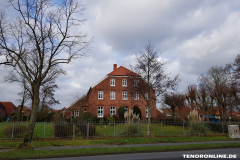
pixel 118 72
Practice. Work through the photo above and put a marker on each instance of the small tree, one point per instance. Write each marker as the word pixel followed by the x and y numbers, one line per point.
pixel 137 111
pixel 154 82
pixel 121 111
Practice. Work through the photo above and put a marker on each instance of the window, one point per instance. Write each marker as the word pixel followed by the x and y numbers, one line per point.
pixel 146 111
pixel 112 82
pixel 76 113
pixel 112 95
pixel 125 95
pixel 136 83
pixel 136 96
pixel 146 95
pixel 112 110
pixel 124 82
pixel 100 111
pixel 100 94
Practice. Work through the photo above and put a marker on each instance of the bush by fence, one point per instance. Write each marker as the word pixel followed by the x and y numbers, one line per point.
pixel 63 130
pixel 15 131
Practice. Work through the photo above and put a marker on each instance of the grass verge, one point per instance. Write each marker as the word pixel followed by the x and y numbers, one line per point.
pixel 107 141
pixel 23 154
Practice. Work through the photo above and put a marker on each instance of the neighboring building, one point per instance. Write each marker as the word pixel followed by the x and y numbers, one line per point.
pixel 104 99
pixel 26 111
pixel 3 112
pixel 9 107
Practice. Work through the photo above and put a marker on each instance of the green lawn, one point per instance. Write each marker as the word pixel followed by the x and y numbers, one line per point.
pixel 46 130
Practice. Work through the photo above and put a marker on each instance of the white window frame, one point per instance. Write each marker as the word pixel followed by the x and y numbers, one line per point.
pixel 124 95
pixel 112 110
pixel 112 95
pixel 100 94
pixel 76 113
pixel 100 111
pixel 124 82
pixel 146 111
pixel 136 96
pixel 136 83
pixel 146 95
pixel 112 82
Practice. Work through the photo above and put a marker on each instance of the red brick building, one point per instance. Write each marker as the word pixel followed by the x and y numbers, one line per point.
pixel 9 107
pixel 104 99
pixel 3 112
pixel 26 111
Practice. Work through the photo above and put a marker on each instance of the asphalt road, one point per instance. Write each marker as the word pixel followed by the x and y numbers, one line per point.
pixel 173 155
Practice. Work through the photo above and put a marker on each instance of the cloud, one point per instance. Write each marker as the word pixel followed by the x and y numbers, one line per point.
pixel 191 35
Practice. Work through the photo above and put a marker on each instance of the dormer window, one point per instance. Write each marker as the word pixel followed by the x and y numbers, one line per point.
pixel 112 82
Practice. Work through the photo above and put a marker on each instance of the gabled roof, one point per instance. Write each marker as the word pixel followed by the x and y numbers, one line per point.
pixel 10 107
pixel 122 71
pixel 26 110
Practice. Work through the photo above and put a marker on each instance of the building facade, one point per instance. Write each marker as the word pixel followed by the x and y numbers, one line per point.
pixel 114 91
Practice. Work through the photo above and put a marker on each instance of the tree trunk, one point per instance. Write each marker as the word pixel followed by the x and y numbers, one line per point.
pixel 206 115
pixel 35 104
pixel 149 121
pixel 21 108
pixel 20 111
pixel 224 117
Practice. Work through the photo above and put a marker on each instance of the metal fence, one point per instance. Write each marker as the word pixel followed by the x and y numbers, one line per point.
pixel 107 129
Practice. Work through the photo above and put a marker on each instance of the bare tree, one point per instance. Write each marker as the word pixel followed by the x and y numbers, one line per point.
pixel 175 101
pixel 154 82
pixel 191 95
pixel 218 83
pixel 38 41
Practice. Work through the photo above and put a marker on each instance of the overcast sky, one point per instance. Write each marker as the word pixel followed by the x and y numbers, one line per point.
pixel 191 35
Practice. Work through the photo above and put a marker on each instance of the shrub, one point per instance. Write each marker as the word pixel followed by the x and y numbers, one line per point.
pixel 137 110
pixel 130 129
pixel 18 131
pixel 87 116
pixel 50 116
pixel 101 120
pixel 110 119
pixel 217 127
pixel 82 129
pixel 196 126
pixel 121 112
pixel 63 130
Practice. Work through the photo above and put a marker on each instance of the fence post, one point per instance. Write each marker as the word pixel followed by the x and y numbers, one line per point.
pixel 12 130
pixel 73 131
pixel 44 131
pixel 161 128
pixel 88 130
pixel 114 128
pixel 222 128
pixel 183 128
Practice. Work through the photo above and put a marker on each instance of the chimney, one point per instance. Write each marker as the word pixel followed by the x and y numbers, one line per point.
pixel 114 67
